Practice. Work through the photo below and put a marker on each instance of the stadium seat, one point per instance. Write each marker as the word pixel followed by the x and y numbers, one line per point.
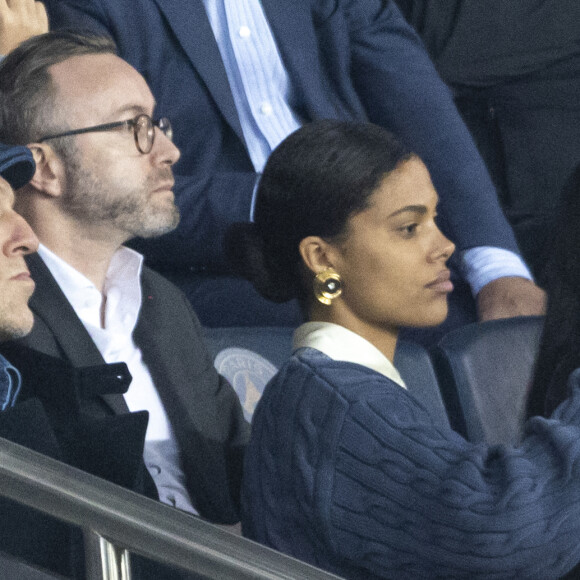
pixel 484 371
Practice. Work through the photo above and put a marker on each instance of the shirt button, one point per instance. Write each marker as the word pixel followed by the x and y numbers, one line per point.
pixel 244 32
pixel 266 109
pixel 155 469
pixel 171 500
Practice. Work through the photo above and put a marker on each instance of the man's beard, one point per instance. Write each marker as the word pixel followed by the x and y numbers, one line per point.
pixel 123 206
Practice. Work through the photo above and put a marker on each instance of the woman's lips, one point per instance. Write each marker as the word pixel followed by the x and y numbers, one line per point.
pixel 442 283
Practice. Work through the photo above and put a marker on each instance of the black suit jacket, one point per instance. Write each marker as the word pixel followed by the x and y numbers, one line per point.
pixel 47 418
pixel 202 407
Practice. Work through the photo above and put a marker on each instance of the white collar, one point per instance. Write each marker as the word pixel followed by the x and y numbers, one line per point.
pixel 342 344
pixel 122 288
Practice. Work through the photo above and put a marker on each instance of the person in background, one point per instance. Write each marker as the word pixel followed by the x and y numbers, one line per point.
pixel 104 175
pixel 43 412
pixel 237 76
pixel 19 20
pixel 16 168
pixel 346 469
pixel 514 70
pixel 559 352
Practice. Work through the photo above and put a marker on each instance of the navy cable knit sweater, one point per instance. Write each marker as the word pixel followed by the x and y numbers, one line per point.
pixel 348 471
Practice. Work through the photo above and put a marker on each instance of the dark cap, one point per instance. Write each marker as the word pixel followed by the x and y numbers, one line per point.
pixel 16 165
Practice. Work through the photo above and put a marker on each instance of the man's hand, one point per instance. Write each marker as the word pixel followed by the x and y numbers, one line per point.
pixel 19 20
pixel 508 297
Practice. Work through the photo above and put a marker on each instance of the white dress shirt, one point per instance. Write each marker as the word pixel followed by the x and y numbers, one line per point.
pixel 341 344
pixel 111 328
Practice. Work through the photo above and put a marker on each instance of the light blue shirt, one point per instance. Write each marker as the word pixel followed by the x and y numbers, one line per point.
pixel 259 82
pixel 262 95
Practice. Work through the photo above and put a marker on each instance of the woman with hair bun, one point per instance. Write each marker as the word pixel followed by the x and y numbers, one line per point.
pixel 346 469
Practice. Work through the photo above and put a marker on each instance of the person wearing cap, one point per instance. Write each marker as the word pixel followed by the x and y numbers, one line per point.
pixel 42 411
pixel 17 238
pixel 103 176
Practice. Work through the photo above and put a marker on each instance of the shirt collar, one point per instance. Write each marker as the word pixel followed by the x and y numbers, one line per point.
pixel 122 288
pixel 342 344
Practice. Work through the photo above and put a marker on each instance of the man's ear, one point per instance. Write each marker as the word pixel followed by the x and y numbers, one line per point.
pixel 316 253
pixel 49 175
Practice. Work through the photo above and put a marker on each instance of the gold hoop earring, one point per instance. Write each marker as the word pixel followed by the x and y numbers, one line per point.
pixel 327 286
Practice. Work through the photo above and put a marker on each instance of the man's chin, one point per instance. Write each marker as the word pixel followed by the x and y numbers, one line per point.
pixel 15 330
pixel 158 227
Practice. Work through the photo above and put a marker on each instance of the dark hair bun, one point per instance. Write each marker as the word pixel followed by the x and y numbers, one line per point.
pixel 248 256
pixel 313 183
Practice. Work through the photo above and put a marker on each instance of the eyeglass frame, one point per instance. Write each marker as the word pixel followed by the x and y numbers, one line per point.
pixel 163 123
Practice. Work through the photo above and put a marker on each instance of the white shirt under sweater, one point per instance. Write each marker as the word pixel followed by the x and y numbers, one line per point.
pixel 340 343
pixel 115 343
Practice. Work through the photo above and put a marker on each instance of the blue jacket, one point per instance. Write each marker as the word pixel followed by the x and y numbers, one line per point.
pixel 350 472
pixel 347 59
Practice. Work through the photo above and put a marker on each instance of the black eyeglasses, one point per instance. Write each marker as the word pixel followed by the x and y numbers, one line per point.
pixel 143 130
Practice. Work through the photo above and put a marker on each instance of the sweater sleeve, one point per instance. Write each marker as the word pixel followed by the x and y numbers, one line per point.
pixel 349 472
pixel 402 495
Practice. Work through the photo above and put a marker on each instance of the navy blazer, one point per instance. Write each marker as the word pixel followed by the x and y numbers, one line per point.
pixel 203 408
pixel 347 59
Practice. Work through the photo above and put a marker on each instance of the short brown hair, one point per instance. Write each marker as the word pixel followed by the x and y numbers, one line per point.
pixel 26 91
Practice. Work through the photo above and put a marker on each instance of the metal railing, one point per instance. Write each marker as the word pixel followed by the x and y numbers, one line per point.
pixel 116 520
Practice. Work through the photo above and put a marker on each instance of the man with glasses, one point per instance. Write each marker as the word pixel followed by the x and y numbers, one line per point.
pixel 104 176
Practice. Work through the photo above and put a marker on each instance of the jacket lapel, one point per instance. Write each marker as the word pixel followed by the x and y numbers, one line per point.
pixel 194 33
pixel 294 34
pixel 167 353
pixel 293 27
pixel 50 305
pixel 153 335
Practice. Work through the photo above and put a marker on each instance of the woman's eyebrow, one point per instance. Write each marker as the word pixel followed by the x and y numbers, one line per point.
pixel 420 209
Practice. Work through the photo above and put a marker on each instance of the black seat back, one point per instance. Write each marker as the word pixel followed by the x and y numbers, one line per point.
pixel 484 372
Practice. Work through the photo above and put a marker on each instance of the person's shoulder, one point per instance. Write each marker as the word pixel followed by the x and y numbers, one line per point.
pixel 340 374
pixel 303 373
pixel 154 277
pixel 153 280
pixel 354 388
pixel 316 374
pixel 163 300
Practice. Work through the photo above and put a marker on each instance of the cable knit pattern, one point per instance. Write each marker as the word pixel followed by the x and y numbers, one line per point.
pixel 348 471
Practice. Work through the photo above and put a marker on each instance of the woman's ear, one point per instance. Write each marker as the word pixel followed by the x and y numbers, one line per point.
pixel 316 253
pixel 49 175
